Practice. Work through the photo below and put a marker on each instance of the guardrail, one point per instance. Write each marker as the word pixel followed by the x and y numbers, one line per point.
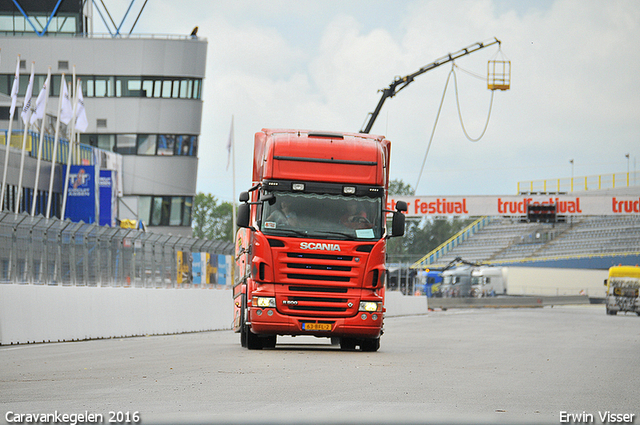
pixel 583 183
pixel 507 302
pixel 40 251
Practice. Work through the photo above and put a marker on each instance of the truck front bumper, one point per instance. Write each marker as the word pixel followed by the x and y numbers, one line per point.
pixel 268 321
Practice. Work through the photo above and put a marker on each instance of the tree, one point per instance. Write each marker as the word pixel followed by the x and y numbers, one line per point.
pixel 400 188
pixel 212 220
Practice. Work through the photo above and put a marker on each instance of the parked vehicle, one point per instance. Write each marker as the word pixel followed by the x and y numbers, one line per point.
pixel 623 287
pixel 310 251
pixel 488 281
pixel 456 282
pixel 429 282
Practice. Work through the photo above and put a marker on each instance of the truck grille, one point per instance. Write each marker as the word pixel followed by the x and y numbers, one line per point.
pixel 319 267
pixel 318 284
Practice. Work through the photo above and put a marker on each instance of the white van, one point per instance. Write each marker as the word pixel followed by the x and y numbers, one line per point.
pixel 488 281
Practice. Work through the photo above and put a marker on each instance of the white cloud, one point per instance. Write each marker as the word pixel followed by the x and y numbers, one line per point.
pixel 319 64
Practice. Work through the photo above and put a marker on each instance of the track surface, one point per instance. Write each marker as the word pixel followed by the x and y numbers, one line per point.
pixel 455 366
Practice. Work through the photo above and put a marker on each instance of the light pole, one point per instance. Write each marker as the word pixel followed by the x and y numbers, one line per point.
pixel 571 161
pixel 627 156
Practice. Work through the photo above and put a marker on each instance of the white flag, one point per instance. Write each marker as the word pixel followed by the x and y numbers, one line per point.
pixel 81 114
pixel 230 143
pixel 27 99
pixel 66 110
pixel 39 111
pixel 14 89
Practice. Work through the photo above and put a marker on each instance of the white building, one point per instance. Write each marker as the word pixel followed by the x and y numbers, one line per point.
pixel 143 97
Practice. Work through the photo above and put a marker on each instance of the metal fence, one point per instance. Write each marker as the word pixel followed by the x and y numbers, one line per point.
pixel 36 250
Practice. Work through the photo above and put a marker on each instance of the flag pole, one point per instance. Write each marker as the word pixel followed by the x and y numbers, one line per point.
pixel 45 90
pixel 71 143
pixel 55 147
pixel 26 116
pixel 14 95
pixel 233 183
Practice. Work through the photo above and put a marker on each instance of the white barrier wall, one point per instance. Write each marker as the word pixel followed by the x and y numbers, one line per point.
pixel 35 313
pixel 555 281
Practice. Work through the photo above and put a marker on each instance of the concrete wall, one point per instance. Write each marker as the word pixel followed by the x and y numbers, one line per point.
pixel 36 313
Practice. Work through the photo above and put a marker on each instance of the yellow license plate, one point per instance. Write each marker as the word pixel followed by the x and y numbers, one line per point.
pixel 316 326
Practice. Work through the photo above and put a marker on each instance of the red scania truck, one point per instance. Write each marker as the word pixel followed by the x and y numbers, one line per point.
pixel 310 249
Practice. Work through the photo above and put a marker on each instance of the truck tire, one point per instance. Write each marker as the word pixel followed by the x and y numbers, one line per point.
pixel 347 344
pixel 254 342
pixel 269 341
pixel 243 326
pixel 370 344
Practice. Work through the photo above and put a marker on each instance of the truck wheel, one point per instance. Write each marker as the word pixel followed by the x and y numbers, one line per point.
pixel 611 312
pixel 254 342
pixel 269 342
pixel 347 344
pixel 243 326
pixel 372 344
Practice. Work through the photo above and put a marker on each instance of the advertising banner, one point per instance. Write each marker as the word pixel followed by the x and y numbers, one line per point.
pixel 580 205
pixel 108 201
pixel 224 278
pixel 197 266
pixel 212 269
pixel 82 194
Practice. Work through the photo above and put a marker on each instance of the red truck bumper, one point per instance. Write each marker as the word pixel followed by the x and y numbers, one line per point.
pixel 268 321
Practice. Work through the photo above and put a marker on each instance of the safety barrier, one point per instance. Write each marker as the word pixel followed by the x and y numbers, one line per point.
pixel 84 153
pixel 584 183
pixel 40 251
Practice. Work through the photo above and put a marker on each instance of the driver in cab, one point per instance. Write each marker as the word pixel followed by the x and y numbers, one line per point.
pixel 355 217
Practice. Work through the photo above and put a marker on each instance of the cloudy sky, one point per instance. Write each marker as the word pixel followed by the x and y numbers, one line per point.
pixel 318 64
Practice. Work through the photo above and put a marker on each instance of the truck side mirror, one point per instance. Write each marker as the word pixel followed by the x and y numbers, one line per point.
pixel 401 206
pixel 397 224
pixel 242 219
pixel 244 197
pixel 270 198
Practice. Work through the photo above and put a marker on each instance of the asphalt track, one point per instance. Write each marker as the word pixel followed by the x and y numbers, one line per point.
pixel 502 365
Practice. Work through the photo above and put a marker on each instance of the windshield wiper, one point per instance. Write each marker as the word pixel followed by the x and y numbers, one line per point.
pixel 331 232
pixel 274 232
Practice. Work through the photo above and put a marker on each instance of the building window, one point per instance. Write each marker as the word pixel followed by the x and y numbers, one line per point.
pixel 186 214
pixel 166 144
pixel 126 144
pixel 144 209
pixel 147 144
pixel 142 144
pixel 165 210
pixel 110 86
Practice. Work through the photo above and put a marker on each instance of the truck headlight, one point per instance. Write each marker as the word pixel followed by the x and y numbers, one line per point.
pixel 370 306
pixel 264 302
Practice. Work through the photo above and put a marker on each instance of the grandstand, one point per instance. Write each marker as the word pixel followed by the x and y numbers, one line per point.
pixel 578 242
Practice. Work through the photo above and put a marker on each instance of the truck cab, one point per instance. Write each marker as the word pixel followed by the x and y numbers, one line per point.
pixel 311 248
pixel 487 282
pixel 622 290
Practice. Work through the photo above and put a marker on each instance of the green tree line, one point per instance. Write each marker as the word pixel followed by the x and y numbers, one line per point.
pixel 212 219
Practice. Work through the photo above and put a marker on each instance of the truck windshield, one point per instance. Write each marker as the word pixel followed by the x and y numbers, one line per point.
pixel 625 282
pixel 323 216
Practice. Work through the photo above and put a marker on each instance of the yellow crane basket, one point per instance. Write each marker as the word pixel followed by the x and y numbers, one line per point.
pixel 499 74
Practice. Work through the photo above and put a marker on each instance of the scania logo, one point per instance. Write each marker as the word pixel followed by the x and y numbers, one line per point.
pixel 320 246
pixel 287 302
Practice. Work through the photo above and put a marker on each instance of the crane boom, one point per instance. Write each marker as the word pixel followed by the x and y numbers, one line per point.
pixel 401 82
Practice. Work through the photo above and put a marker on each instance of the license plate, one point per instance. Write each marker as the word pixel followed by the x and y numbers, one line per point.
pixel 316 326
